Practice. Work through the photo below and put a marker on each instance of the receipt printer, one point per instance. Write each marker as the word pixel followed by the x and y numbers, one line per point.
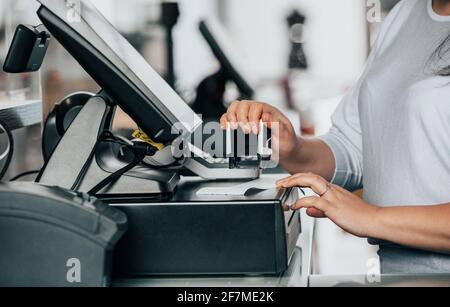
pixel 194 234
pixel 53 237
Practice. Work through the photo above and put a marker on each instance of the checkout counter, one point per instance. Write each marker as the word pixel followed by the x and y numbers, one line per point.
pixel 161 204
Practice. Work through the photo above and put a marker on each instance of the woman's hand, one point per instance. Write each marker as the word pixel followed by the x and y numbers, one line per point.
pixel 346 210
pixel 294 154
pixel 248 114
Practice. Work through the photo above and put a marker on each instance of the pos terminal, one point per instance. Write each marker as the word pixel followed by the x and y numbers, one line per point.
pixel 172 229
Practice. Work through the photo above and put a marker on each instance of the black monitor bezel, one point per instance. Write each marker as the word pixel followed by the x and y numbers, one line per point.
pixel 129 94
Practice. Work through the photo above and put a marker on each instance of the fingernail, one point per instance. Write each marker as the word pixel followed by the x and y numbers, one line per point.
pixel 254 128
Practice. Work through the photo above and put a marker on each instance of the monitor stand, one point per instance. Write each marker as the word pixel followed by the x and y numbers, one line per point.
pixel 75 150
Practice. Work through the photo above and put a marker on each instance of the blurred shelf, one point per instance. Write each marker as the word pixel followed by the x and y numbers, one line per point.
pixel 21 114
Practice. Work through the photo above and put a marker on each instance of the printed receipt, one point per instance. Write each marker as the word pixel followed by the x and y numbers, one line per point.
pixel 241 189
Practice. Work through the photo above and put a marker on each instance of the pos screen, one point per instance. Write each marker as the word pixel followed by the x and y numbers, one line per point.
pixel 118 68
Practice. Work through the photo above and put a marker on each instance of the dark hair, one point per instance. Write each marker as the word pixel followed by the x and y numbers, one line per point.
pixel 441 58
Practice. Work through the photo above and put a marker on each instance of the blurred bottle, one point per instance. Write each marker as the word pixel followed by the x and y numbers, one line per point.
pixel 297 66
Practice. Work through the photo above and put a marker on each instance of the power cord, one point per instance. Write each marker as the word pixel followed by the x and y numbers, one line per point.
pixel 139 149
pixel 9 152
pixel 28 173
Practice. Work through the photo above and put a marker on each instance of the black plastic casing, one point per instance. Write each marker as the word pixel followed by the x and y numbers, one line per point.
pixel 27 50
pixel 123 86
pixel 199 235
pixel 44 229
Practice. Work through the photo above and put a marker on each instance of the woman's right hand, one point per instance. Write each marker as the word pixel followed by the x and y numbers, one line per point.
pixel 248 114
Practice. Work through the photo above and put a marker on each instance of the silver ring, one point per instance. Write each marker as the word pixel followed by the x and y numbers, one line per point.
pixel 327 189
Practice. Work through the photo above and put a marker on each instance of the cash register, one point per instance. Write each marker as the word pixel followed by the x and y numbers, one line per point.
pixel 173 228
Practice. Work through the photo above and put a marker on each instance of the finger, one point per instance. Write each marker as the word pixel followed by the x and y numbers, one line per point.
pixel 269 116
pixel 234 106
pixel 280 182
pixel 231 116
pixel 288 178
pixel 315 202
pixel 242 116
pixel 223 122
pixel 286 208
pixel 266 118
pixel 232 119
pixel 316 213
pixel 315 182
pixel 278 125
pixel 254 116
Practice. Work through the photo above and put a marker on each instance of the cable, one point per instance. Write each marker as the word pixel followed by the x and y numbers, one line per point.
pixel 116 175
pixel 17 177
pixel 103 137
pixel 9 152
pixel 139 149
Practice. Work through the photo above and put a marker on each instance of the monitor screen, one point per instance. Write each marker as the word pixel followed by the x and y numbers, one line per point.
pixel 118 68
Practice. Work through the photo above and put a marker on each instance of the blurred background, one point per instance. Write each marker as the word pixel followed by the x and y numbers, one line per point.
pixel 299 55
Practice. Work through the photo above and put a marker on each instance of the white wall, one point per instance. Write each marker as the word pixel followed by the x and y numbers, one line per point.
pixel 193 57
pixel 335 42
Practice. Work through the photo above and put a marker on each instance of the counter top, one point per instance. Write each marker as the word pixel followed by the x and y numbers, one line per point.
pixel 438 280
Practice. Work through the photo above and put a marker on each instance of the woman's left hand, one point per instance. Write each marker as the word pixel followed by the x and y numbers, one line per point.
pixel 345 209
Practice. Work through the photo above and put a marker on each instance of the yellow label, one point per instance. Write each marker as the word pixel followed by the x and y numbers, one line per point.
pixel 144 137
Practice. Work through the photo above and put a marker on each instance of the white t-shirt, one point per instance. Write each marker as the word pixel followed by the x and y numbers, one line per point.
pixel 391 134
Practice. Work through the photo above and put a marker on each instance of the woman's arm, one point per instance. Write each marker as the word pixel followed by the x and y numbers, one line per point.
pixel 423 227
pixel 310 155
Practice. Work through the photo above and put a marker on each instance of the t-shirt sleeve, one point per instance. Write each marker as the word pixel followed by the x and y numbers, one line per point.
pixel 345 136
pixel 345 141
